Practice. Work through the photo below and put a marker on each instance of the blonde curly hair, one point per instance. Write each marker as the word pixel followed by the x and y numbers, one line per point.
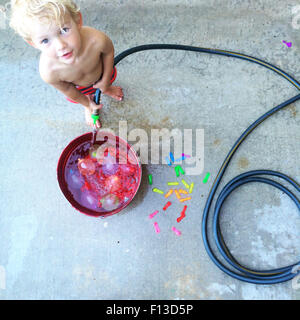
pixel 24 11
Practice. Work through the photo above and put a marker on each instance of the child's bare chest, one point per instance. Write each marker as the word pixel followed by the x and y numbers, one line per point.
pixel 85 72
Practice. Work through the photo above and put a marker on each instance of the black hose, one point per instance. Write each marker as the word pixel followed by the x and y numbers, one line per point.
pixel 244 274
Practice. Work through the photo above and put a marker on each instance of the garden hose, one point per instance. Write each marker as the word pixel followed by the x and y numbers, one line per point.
pixel 237 271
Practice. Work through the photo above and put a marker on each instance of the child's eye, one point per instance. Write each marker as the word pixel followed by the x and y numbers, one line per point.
pixel 64 30
pixel 44 41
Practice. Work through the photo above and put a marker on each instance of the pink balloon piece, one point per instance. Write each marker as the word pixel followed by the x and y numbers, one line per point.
pixel 176 231
pixel 157 230
pixel 185 156
pixel 289 44
pixel 153 214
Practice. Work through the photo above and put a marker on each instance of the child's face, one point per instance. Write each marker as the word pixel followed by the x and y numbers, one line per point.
pixel 61 44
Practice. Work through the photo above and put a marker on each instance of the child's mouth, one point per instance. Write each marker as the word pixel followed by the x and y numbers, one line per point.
pixel 67 55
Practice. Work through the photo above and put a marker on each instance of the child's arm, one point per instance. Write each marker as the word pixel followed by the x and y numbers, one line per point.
pixel 107 54
pixel 69 90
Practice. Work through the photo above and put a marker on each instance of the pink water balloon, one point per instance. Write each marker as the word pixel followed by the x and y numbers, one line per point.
pixel 113 183
pixel 110 202
pixel 86 166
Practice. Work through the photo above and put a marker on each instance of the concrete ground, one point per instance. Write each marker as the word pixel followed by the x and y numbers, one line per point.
pixel 50 251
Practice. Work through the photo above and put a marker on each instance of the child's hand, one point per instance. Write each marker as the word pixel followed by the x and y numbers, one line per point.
pixel 111 91
pixel 90 110
pixel 92 105
pixel 101 85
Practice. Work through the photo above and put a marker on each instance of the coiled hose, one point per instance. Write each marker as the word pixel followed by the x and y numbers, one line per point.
pixel 237 271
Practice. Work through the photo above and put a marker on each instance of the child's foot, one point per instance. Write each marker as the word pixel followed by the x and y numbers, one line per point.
pixel 89 120
pixel 115 92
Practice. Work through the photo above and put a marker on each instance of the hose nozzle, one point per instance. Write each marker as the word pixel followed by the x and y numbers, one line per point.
pixel 96 113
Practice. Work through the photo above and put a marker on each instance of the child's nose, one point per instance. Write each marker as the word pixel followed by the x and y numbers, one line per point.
pixel 60 44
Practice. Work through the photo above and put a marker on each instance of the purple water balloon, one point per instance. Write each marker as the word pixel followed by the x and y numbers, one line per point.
pixel 89 200
pixel 75 180
pixel 109 165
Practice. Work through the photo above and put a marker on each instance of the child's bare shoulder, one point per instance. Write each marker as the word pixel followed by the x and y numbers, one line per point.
pixel 96 37
pixel 47 70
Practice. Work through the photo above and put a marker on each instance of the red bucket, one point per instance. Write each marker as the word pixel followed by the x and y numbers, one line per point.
pixel 82 143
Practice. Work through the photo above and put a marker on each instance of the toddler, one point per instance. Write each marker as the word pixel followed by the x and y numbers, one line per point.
pixel 75 59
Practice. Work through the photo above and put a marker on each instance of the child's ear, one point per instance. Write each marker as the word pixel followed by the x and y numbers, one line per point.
pixel 79 19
